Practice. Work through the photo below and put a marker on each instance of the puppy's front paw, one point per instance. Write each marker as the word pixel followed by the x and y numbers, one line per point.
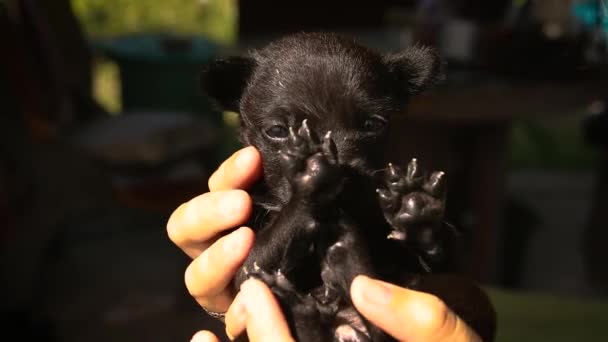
pixel 414 206
pixel 312 164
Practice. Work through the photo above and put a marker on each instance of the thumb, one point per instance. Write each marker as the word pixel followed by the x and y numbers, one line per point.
pixel 408 315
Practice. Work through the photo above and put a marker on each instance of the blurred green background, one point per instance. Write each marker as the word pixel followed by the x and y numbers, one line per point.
pixel 107 19
pixel 555 143
pixel 215 19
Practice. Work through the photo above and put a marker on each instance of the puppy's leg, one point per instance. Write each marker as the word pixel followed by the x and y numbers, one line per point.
pixel 289 243
pixel 283 259
pixel 414 206
pixel 316 178
pixel 346 258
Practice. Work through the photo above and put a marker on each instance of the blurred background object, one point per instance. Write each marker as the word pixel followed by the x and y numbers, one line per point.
pixel 105 132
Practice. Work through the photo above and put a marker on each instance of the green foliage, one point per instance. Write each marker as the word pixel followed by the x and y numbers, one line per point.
pixel 557 144
pixel 106 85
pixel 215 19
pixel 527 316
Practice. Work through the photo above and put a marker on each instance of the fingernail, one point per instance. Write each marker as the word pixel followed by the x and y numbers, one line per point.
pixel 373 291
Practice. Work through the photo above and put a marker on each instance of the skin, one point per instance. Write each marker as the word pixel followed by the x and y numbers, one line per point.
pixel 195 226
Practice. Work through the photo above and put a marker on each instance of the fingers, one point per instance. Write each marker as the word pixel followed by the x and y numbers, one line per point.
pixel 195 224
pixel 238 172
pixel 204 336
pixel 236 317
pixel 208 277
pixel 408 315
pixel 256 310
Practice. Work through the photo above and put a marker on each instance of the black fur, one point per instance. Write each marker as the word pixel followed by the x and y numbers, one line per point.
pixel 328 207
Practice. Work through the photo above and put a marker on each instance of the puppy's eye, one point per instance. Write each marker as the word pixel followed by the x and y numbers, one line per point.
pixel 277 132
pixel 374 124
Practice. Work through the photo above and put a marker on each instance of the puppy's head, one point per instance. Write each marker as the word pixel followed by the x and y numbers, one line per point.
pixel 328 79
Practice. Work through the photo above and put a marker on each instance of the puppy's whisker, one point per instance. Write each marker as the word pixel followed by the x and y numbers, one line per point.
pixel 453 229
pixel 375 172
pixel 270 206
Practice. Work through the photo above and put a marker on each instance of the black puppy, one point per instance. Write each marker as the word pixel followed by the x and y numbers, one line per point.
pixel 318 107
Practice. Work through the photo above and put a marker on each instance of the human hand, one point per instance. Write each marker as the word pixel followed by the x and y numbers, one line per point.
pixel 196 225
pixel 255 310
pixel 406 315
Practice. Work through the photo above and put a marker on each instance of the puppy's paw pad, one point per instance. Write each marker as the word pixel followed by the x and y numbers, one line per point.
pixel 414 206
pixel 312 164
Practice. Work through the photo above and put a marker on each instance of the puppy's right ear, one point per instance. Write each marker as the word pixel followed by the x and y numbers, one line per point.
pixel 224 80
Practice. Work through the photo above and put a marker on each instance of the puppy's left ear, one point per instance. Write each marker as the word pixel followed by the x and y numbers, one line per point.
pixel 225 80
pixel 416 68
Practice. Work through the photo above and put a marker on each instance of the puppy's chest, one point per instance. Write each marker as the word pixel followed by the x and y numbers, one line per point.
pixel 356 203
pixel 355 210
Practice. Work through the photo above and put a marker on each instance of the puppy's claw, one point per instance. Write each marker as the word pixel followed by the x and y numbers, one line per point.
pixel 414 176
pixel 394 178
pixel 424 265
pixel 294 138
pixel 436 184
pixel 330 149
pixel 394 173
pixel 434 253
pixel 306 133
pixel 283 282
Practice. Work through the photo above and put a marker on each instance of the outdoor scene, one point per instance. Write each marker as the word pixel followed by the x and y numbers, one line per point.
pixel 107 132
